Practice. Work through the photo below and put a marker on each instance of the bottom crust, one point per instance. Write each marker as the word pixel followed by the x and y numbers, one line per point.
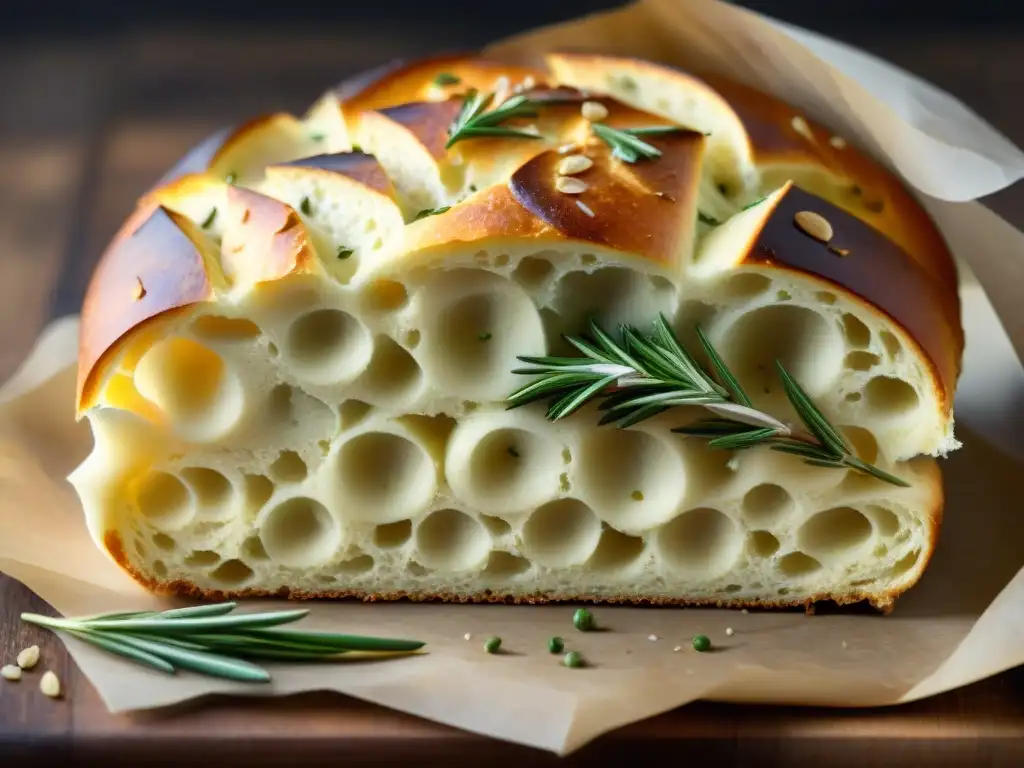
pixel 883 602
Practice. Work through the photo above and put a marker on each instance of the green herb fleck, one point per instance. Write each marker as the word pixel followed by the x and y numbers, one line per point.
pixel 305 206
pixel 573 659
pixel 555 645
pixel 208 221
pixel 344 253
pixel 755 202
pixel 701 643
pixel 446 78
pixel 317 136
pixel 705 219
pixel 626 143
pixel 627 84
pixel 231 178
pixel 492 644
pixel 485 336
pixel 513 452
pixel 431 212
pixel 474 120
pixel 583 620
pixel 637 495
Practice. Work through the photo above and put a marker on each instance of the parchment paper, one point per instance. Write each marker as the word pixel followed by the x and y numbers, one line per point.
pixel 963 622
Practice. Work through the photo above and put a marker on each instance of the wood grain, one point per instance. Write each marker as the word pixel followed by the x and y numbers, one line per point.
pixel 84 130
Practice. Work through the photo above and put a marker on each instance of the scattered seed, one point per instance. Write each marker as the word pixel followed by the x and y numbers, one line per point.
pixel 492 644
pixel 49 684
pixel 231 178
pixel 814 225
pixel 573 659
pixel 838 142
pixel 701 643
pixel 531 129
pixel 583 620
pixel 569 185
pixel 245 216
pixel 139 291
pixel 665 196
pixel 594 110
pixel 29 657
pixel 555 645
pixel 10 672
pixel 677 649
pixel 800 126
pixel 652 638
pixel 467 636
pixel 567 166
pixel 502 84
pixel 567 148
pixel 529 82
pixel 844 644
pixel 585 208
pixel 840 252
pixel 744 611
pixel 730 631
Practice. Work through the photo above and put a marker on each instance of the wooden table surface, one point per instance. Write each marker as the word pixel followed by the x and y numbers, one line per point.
pixel 85 127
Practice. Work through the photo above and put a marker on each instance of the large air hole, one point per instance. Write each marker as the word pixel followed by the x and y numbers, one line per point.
pixel 890 397
pixel 300 532
pixel 495 526
pixel 392 535
pixel 561 533
pixel 477 328
pixel 615 551
pixel 258 490
pixel 766 504
pixel 232 573
pixel 253 549
pixel 857 334
pixel 504 470
pixel 202 397
pixel 289 467
pixel 202 558
pixel 354 566
pixel 808 347
pixel 797 564
pixel 692 314
pixel 503 565
pixel 633 480
pixel 862 441
pixel 533 272
pixel 384 477
pixel 451 540
pixel 887 522
pixel 905 564
pixel 861 361
pixel 746 285
pixel 763 543
pixel 891 343
pixel 352 412
pixel 211 489
pixel 613 295
pixel 328 346
pixel 393 375
pixel 385 296
pixel 164 542
pixel 841 531
pixel 220 328
pixel 165 501
pixel 702 542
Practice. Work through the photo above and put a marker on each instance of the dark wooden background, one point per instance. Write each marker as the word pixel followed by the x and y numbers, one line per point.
pixel 98 99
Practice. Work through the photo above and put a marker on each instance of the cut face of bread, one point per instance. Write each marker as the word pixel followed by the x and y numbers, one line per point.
pixel 297 362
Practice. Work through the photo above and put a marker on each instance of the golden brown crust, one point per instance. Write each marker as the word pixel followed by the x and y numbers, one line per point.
pixel 155 264
pixel 399 82
pixel 867 264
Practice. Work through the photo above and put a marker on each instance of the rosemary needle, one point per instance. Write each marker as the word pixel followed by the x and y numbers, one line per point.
pixel 640 376
pixel 209 639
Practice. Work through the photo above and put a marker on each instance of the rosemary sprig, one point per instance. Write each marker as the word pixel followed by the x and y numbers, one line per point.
pixel 474 121
pixel 626 143
pixel 206 639
pixel 642 376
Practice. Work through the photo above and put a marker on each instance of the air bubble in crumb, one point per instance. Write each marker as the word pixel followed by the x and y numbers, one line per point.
pixel 28 657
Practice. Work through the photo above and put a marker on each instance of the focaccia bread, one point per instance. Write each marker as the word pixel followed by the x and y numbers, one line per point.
pixel 297 354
